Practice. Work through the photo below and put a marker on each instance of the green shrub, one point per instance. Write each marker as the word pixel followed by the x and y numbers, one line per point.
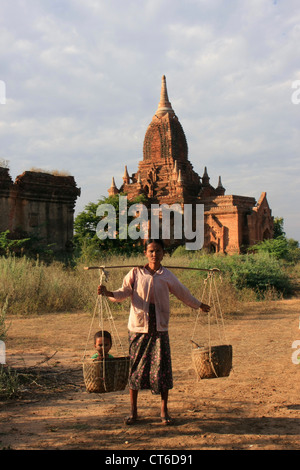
pixel 259 272
pixel 33 287
pixel 9 382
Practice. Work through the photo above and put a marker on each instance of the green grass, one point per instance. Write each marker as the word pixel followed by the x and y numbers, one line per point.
pixel 33 287
pixel 259 273
pixel 9 382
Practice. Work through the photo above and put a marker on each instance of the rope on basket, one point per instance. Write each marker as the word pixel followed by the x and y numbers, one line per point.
pixel 102 308
pixel 214 301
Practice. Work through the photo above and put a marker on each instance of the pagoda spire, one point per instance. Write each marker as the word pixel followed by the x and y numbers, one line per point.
pixel 220 183
pixel 113 189
pixel 220 188
pixel 180 178
pixel 205 177
pixel 164 105
pixel 175 169
pixel 126 176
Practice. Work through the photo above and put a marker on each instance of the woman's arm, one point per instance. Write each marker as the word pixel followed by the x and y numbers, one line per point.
pixel 182 293
pixel 120 294
pixel 103 291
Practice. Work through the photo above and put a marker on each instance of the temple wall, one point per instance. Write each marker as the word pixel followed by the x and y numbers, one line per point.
pixel 39 204
pixel 234 222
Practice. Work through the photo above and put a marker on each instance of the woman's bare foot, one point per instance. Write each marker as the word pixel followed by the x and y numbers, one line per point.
pixel 132 419
pixel 166 420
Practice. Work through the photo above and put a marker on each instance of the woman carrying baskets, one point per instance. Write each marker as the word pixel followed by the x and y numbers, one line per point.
pixel 149 349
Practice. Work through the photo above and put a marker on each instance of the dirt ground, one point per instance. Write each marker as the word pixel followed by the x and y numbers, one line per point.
pixel 256 407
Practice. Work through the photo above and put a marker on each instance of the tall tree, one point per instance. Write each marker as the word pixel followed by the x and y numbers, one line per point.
pixel 85 225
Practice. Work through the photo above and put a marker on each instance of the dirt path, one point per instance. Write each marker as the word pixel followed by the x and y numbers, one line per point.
pixel 256 407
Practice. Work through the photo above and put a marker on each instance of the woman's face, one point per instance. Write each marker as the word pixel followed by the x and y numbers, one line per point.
pixel 154 254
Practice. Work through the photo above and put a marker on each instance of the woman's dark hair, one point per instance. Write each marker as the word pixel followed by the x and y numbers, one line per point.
pixel 104 334
pixel 154 240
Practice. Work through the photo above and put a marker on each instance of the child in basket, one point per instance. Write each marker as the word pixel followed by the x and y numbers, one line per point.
pixel 103 344
pixel 149 349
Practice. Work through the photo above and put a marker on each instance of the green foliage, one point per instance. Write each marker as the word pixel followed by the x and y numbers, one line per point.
pixel 278 227
pixel 19 244
pixel 277 247
pixel 258 272
pixel 280 247
pixel 9 382
pixel 32 287
pixel 86 241
pixel 293 255
pixel 35 287
pixel 3 328
pixel 10 246
pixel 283 248
pixel 181 251
pixel 86 222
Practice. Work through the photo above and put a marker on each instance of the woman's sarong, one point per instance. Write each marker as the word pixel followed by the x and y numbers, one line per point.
pixel 150 358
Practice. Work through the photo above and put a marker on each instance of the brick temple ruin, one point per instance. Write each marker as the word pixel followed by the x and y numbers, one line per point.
pixel 39 204
pixel 165 175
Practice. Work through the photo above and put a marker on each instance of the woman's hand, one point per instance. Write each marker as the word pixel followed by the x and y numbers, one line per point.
pixel 103 291
pixel 205 308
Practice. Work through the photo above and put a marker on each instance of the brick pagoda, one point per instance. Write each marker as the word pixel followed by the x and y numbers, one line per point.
pixel 165 175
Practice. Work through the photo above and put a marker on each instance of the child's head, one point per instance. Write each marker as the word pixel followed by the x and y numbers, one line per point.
pixel 103 341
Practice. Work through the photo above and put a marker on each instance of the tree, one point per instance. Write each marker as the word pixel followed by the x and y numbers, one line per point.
pixel 277 247
pixel 86 240
pixel 278 227
pixel 9 245
pixel 280 246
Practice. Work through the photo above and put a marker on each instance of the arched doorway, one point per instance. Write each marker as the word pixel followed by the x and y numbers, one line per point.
pixel 212 247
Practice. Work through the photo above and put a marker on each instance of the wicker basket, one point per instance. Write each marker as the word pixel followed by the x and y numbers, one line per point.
pixel 212 362
pixel 112 378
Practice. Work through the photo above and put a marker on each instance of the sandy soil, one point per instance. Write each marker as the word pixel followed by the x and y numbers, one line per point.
pixel 256 407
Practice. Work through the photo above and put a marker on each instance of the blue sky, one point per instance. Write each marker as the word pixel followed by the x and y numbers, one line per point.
pixel 83 82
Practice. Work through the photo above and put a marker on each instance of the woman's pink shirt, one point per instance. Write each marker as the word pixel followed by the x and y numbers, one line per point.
pixel 145 288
